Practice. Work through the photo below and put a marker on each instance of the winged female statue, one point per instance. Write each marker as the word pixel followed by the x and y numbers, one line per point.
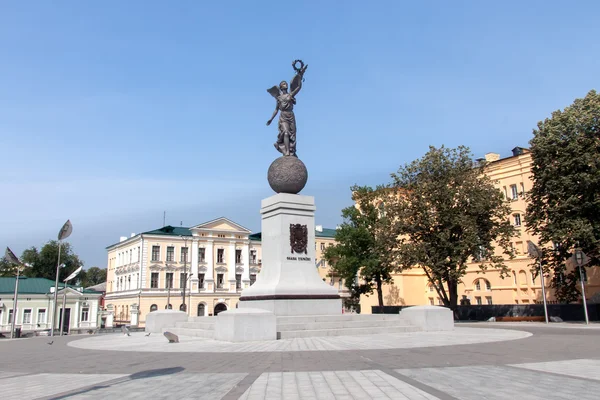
pixel 286 139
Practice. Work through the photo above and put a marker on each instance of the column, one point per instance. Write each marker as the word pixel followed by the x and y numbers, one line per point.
pixel 231 264
pixel 76 317
pixel 210 265
pixel 194 272
pixel 246 261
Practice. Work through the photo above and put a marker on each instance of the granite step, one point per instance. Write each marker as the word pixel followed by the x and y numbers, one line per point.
pixel 342 317
pixel 202 319
pixel 298 326
pixel 196 325
pixel 346 331
pixel 202 333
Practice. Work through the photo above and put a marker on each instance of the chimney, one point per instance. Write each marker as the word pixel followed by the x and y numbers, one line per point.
pixel 132 235
pixel 122 239
pixel 489 157
pixel 319 228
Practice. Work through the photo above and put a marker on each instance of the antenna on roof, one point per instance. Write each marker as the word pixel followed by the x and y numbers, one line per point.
pixel 180 223
pixel 164 218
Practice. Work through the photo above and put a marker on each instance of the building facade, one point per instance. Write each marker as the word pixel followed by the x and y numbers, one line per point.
pixel 211 263
pixel 513 177
pixel 35 306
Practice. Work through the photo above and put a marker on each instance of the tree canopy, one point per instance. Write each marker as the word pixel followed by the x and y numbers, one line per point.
pixel 447 213
pixel 362 255
pixel 564 203
pixel 92 276
pixel 42 263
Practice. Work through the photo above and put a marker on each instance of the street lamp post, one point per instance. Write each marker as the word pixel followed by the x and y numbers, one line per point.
pixel 64 233
pixel 579 259
pixel 11 258
pixel 535 252
pixel 184 271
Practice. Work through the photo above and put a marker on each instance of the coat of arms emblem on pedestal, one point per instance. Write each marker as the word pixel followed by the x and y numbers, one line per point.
pixel 298 238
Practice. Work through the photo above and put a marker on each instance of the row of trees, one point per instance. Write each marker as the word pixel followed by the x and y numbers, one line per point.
pixel 441 211
pixel 42 264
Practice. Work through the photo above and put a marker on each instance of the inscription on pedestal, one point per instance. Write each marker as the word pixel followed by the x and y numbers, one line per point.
pixel 298 258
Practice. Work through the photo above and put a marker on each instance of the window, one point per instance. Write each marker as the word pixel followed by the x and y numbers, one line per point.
pixel 322 246
pixel 505 192
pixel 220 255
pixel 514 277
pixel 41 316
pixel 201 281
pixel 219 281
pixel 169 280
pixel 431 301
pixel 10 316
pixel 523 277
pixel 201 310
pixel 221 235
pixel 184 254
pixel 85 314
pixel 138 257
pixel 169 307
pixel 488 300
pixel 253 256
pixel 252 279
pixel 238 256
pixel 182 279
pixel 518 247
pixel 514 192
pixel 477 285
pixel 27 316
pixel 153 307
pixel 517 218
pixel 488 286
pixel 430 288
pixel 238 281
pixel 182 307
pixel 170 253
pixel 201 254
pixel 154 280
pixel 478 300
pixel 155 253
pixel 440 302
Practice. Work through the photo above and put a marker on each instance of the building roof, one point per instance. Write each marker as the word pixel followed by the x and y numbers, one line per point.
pixel 325 233
pixel 101 287
pixel 32 286
pixel 170 231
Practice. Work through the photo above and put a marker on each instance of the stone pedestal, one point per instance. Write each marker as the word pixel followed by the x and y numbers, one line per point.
pixel 289 283
pixel 429 318
pixel 246 325
pixel 157 320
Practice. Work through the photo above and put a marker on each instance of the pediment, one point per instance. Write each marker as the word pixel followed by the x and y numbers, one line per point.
pixel 221 224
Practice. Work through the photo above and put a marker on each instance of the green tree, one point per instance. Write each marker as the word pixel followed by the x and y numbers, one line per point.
pixel 564 203
pixel 448 213
pixel 92 276
pixel 7 269
pixel 43 262
pixel 363 245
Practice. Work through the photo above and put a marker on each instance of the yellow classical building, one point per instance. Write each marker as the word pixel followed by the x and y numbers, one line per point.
pixel 512 176
pixel 213 261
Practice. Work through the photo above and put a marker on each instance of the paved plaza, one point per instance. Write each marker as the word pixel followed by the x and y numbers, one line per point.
pixel 476 361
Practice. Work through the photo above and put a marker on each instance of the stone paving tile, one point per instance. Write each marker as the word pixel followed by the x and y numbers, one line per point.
pixel 338 385
pixel 157 343
pixel 583 368
pixel 179 386
pixel 41 385
pixel 502 382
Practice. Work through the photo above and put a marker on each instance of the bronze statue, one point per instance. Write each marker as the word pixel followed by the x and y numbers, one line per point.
pixel 286 139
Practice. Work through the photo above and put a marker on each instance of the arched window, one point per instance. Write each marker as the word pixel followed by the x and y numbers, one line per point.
pixel 478 284
pixel 514 277
pixel 522 278
pixel 488 285
pixel 182 307
pixel 219 308
pixel 153 307
pixel 201 310
pixel 169 307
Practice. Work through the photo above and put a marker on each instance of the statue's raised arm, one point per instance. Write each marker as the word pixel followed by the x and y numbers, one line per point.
pixel 296 82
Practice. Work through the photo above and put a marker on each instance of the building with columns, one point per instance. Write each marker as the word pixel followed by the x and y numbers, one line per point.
pixel 214 261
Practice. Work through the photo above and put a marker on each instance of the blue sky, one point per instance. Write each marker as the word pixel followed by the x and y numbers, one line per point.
pixel 113 112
